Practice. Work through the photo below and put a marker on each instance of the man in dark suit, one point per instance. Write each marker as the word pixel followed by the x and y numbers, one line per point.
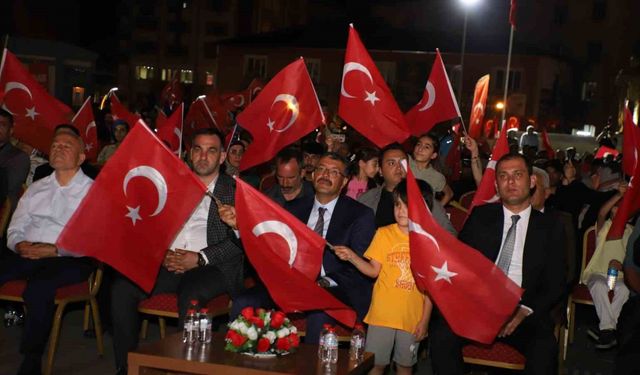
pixel 523 242
pixel 341 221
pixel 204 261
pixel 14 163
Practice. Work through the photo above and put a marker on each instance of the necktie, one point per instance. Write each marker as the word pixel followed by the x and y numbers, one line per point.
pixel 507 249
pixel 319 228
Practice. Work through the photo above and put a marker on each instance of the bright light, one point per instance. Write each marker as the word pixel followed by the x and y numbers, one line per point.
pixel 469 3
pixel 500 106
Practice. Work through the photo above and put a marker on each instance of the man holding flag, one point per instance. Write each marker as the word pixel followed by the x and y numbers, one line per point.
pixel 524 245
pixel 205 259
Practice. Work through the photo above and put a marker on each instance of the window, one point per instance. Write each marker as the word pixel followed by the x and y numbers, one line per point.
pixel 167 74
pixel 515 80
pixel 209 79
pixel 599 11
pixel 388 71
pixel 594 51
pixel 186 76
pixel 313 67
pixel 255 66
pixel 145 72
pixel 589 90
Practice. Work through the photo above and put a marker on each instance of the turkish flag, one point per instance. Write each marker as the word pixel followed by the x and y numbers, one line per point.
pixel 140 200
pixel 438 103
pixel 120 112
pixel 234 101
pixel 488 129
pixel 286 254
pixel 169 130
pixel 286 110
pixel 629 206
pixel 473 294
pixel 546 143
pixel 630 144
pixel 486 192
pixel 453 161
pixel 35 112
pixel 222 118
pixel 366 103
pixel 512 13
pixel 479 107
pixel 604 151
pixel 199 116
pixel 172 93
pixel 254 89
pixel 513 123
pixel 86 125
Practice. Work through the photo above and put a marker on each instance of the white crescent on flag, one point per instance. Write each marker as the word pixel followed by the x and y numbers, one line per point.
pixel 431 97
pixel 292 104
pixel 282 230
pixel 351 66
pixel 158 181
pixel 17 86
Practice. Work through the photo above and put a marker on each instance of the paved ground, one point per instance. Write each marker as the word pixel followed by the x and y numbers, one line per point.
pixel 78 355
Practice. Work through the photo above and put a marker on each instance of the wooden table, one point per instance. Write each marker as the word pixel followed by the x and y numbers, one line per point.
pixel 171 356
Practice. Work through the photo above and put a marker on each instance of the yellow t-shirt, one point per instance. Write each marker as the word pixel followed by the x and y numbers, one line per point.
pixel 396 302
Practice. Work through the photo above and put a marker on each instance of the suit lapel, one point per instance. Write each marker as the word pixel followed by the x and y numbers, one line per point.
pixel 531 243
pixel 335 225
pixel 497 229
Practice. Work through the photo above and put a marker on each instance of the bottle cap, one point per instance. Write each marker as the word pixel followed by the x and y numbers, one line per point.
pixel 194 301
pixel 326 326
pixel 191 311
pixel 204 310
pixel 332 330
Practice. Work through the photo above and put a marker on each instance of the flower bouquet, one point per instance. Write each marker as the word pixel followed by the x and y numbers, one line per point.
pixel 262 333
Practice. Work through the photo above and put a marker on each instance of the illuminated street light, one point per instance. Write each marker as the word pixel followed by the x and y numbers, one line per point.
pixel 466 4
pixel 499 106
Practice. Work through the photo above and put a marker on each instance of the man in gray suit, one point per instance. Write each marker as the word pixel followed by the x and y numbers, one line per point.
pixel 204 261
pixel 14 164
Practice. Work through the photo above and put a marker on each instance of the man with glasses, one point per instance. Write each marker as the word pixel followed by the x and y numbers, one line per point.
pixel 341 221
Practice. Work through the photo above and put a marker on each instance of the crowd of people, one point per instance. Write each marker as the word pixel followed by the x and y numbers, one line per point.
pixel 355 196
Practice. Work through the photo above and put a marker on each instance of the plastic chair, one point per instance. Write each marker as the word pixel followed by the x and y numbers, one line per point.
pixel 580 293
pixel 81 292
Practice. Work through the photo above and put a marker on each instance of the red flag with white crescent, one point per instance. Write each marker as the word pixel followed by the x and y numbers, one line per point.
pixel 35 112
pixel 141 199
pixel 475 297
pixel 286 110
pixel 286 254
pixel 546 143
pixel 438 102
pixel 86 125
pixel 479 107
pixel 512 13
pixel 366 103
pixel 120 112
pixel 486 192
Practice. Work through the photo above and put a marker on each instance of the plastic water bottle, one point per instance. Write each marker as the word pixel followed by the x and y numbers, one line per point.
pixel 612 277
pixel 356 349
pixel 205 326
pixel 331 347
pixel 189 334
pixel 325 329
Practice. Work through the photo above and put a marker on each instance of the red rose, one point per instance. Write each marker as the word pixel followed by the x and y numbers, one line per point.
pixel 247 312
pixel 260 312
pixel 295 340
pixel 283 343
pixel 238 340
pixel 229 334
pixel 257 321
pixel 277 318
pixel 263 345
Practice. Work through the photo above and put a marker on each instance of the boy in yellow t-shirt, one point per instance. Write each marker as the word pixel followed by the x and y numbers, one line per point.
pixel 388 259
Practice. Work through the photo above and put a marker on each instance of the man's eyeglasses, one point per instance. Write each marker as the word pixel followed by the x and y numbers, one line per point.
pixel 333 173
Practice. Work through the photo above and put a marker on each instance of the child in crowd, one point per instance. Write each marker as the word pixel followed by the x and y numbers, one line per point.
pixel 425 154
pixel 363 170
pixel 399 313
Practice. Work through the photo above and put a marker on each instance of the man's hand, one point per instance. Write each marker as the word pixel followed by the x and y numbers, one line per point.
pixel 471 145
pixel 169 261
pixel 36 250
pixel 228 215
pixel 513 323
pixel 616 264
pixel 185 260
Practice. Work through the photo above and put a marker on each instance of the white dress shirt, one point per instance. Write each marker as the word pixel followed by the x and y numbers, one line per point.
pixel 515 269
pixel 193 235
pixel 44 210
pixel 313 219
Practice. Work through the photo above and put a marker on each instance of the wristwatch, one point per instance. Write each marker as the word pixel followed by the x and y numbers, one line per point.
pixel 201 261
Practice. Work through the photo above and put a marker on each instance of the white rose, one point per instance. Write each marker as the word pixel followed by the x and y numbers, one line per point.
pixel 293 329
pixel 234 325
pixel 267 318
pixel 271 336
pixel 283 332
pixel 252 334
pixel 243 328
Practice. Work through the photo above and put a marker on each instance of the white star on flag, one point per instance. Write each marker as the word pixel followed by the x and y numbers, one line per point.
pixel 88 146
pixel 371 97
pixel 31 113
pixel 443 273
pixel 270 124
pixel 134 214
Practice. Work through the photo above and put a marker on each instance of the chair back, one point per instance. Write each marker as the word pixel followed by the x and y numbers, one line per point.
pixel 588 246
pixel 457 216
pixel 467 198
pixel 5 215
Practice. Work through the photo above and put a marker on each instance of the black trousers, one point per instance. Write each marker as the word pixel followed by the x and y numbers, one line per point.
pixel 534 338
pixel 200 283
pixel 628 358
pixel 44 277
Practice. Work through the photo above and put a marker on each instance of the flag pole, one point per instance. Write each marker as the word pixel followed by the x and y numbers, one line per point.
pixel 4 54
pixel 181 130
pixel 233 133
pixel 506 80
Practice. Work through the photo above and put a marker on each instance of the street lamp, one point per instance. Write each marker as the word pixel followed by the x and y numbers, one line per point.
pixel 466 5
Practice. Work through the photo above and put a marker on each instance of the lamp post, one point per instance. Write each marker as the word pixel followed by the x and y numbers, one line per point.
pixel 466 5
